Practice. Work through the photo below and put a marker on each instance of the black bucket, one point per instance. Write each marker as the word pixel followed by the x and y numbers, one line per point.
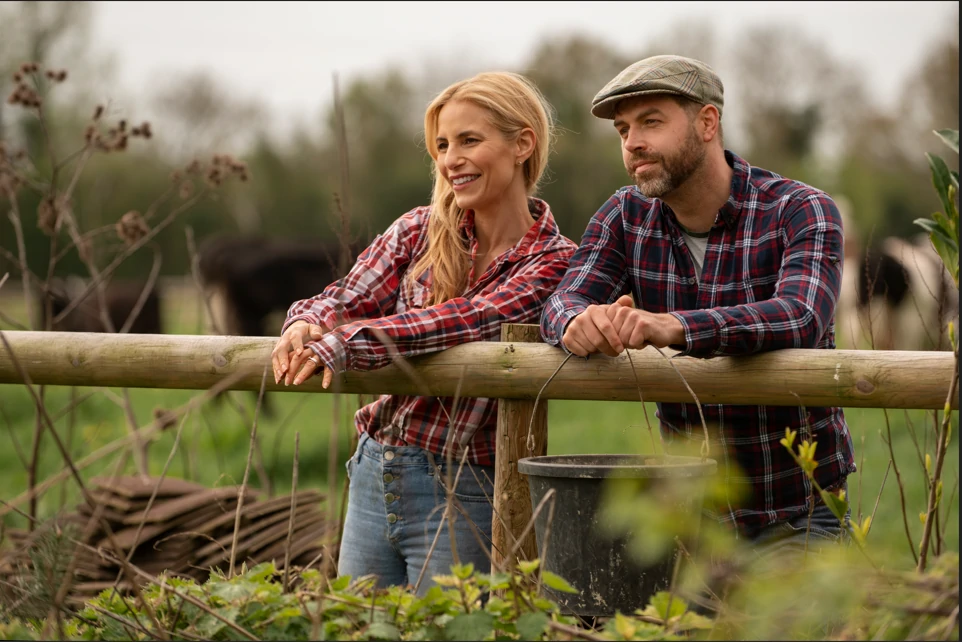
pixel 581 549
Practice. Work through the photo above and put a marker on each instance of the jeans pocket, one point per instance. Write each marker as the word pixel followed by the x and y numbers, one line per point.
pixel 819 528
pixel 349 467
pixel 475 485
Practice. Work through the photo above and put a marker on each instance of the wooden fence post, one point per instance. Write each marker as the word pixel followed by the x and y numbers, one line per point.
pixel 512 498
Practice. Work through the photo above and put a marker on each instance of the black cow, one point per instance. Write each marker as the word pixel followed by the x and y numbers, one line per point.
pixel 121 298
pixel 255 277
pixel 252 280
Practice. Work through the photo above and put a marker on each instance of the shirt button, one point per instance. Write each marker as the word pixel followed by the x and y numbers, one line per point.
pixel 389 497
pixel 391 518
pixel 389 455
pixel 388 478
pixel 691 280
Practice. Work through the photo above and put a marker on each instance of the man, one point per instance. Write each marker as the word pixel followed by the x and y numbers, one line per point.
pixel 721 258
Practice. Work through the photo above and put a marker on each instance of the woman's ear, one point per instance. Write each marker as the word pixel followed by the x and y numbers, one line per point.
pixel 526 141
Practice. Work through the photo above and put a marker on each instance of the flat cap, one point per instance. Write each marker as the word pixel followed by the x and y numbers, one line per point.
pixel 677 75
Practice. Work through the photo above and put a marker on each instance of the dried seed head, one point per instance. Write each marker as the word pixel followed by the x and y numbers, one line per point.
pixel 47 215
pixel 98 112
pixel 194 167
pixel 61 75
pixel 186 189
pixel 164 418
pixel 51 74
pixel 176 176
pixel 84 249
pixel 122 125
pixel 17 77
pixel 132 227
pixel 213 177
pixel 145 130
pixel 89 133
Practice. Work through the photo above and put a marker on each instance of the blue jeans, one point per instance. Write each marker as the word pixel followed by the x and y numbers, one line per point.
pixel 396 502
pixel 794 535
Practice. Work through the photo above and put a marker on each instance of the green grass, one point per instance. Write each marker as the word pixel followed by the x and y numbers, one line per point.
pixel 214 444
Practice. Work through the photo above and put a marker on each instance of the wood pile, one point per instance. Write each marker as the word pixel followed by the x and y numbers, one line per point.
pixel 187 531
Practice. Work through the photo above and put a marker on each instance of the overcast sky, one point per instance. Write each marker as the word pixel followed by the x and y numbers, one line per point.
pixel 283 53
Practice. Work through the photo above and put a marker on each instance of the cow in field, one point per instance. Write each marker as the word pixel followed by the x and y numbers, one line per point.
pixel 896 294
pixel 121 298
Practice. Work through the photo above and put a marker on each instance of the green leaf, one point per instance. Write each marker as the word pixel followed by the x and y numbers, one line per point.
pixel 691 620
pixel 341 583
pixel 532 625
pixel 941 179
pixel 383 631
pixel 836 504
pixel 660 601
pixel 557 583
pixel 529 566
pixel 470 626
pixel 950 137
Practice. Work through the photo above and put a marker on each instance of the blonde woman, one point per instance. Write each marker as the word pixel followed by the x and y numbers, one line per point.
pixel 483 253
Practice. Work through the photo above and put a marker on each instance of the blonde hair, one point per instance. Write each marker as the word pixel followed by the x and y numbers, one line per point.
pixel 513 104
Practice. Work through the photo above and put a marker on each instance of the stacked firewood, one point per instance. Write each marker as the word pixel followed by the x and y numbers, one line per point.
pixel 187 531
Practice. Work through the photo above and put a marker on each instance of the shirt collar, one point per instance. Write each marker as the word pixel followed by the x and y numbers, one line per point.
pixel 741 171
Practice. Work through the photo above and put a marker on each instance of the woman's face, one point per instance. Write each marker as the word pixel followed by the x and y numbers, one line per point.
pixel 479 163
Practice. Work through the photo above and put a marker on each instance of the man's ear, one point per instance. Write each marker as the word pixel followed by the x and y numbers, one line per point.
pixel 708 122
pixel 526 141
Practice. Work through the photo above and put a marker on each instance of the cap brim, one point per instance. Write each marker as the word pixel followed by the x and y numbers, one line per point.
pixel 605 108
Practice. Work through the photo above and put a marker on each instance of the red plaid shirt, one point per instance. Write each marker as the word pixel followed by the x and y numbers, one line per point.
pixel 770 280
pixel 375 296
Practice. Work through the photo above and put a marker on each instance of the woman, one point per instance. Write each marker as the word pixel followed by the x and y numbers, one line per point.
pixel 484 253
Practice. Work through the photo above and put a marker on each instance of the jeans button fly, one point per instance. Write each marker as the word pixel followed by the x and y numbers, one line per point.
pixel 389 455
pixel 391 518
pixel 389 497
pixel 388 478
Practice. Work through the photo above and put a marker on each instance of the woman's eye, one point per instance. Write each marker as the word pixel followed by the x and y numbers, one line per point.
pixel 442 147
pixel 468 141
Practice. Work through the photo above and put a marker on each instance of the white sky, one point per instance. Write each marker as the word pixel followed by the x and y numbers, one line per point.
pixel 283 53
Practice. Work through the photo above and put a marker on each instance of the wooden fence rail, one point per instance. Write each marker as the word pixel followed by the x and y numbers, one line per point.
pixel 505 370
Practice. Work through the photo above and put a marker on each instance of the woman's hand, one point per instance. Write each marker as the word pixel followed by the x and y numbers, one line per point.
pixel 291 361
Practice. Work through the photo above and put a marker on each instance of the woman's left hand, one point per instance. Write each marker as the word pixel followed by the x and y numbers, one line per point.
pixel 306 364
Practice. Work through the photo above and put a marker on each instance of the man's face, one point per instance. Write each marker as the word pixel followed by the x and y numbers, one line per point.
pixel 660 144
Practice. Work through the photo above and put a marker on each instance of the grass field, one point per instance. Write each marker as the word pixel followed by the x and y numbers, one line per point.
pixel 214 443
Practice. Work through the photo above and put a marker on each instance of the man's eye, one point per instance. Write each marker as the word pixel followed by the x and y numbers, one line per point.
pixel 651 121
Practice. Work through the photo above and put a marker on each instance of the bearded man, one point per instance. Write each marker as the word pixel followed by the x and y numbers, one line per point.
pixel 710 256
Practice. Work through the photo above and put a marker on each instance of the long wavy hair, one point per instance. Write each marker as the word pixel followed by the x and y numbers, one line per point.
pixel 513 103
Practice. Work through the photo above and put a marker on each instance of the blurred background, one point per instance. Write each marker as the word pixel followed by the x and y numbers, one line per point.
pixel 841 95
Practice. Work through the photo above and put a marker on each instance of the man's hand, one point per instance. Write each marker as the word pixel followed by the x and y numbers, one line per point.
pixel 638 328
pixel 591 332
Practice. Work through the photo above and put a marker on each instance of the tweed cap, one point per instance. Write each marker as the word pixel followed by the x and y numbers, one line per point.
pixel 677 75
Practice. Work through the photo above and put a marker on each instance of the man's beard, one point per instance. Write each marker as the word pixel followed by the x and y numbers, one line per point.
pixel 669 173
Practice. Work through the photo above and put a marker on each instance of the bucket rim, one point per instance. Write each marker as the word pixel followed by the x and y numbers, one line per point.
pixel 622 466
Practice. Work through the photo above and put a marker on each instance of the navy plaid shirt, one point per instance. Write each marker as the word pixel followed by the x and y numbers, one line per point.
pixel 770 280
